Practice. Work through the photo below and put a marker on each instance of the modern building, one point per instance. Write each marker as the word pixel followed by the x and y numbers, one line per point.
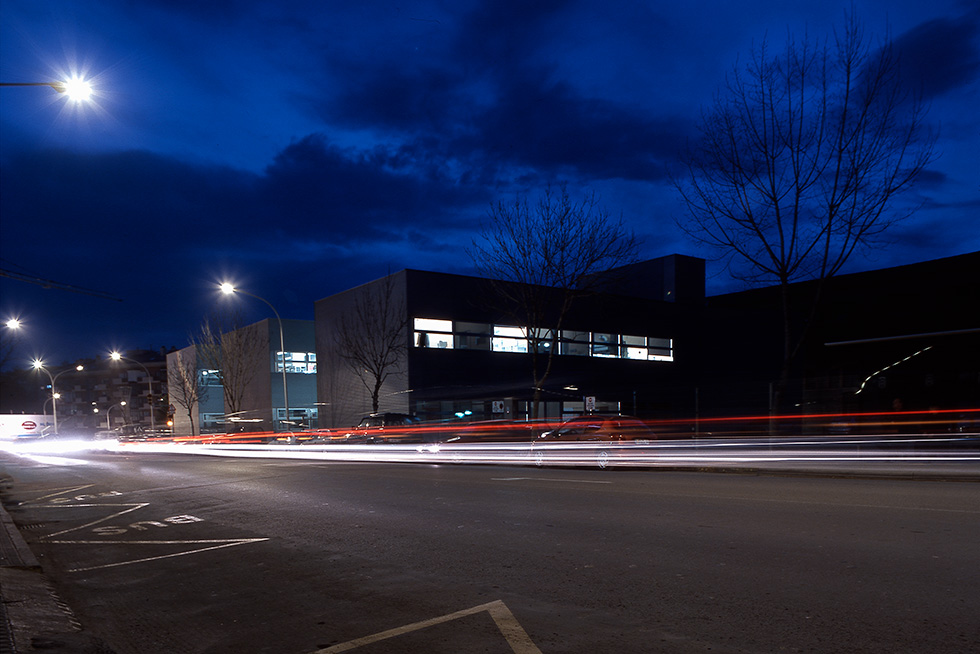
pixel 647 343
pixel 906 337
pixel 266 388
pixel 651 344
pixel 622 350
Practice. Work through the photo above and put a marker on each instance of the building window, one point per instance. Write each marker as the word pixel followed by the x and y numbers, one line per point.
pixel 633 347
pixel 209 378
pixel 472 336
pixel 434 333
pixel 299 362
pixel 446 334
pixel 660 349
pixel 575 343
pixel 509 339
pixel 605 345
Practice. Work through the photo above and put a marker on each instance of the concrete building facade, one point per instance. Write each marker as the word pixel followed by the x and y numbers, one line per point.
pixel 263 406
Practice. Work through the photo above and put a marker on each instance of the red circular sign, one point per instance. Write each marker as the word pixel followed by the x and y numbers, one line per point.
pixel 29 425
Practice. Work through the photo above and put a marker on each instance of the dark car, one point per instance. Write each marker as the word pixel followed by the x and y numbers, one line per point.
pixel 384 428
pixel 486 441
pixel 591 439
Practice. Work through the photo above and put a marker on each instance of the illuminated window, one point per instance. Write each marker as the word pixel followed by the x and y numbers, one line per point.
pixel 447 334
pixel 509 339
pixel 605 345
pixel 298 362
pixel 208 378
pixel 431 333
pixel 633 347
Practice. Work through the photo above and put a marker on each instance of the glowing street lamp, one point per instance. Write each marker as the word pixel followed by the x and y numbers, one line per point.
pixel 115 356
pixel 75 88
pixel 229 289
pixel 55 395
pixel 108 412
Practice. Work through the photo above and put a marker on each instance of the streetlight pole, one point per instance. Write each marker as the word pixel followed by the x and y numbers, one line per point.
pixel 75 88
pixel 108 412
pixel 39 365
pixel 229 289
pixel 115 356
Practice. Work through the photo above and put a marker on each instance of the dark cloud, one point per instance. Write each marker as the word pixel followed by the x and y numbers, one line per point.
pixel 492 99
pixel 304 148
pixel 941 55
pixel 554 128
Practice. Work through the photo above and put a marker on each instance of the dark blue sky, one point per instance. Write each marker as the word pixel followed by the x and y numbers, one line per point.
pixel 301 148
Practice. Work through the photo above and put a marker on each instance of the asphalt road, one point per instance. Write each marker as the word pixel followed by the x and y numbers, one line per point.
pixel 168 554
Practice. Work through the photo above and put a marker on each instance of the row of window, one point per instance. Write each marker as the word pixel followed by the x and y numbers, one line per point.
pixel 301 362
pixel 449 335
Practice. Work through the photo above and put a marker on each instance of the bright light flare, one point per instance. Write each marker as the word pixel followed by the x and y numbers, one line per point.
pixel 13 323
pixel 227 288
pixel 76 88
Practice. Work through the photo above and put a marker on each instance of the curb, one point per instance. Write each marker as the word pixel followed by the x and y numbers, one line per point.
pixel 32 617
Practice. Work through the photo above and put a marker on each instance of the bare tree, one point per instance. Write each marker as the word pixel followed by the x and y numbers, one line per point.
pixel 183 386
pixel 225 344
pixel 800 161
pixel 371 338
pixel 541 257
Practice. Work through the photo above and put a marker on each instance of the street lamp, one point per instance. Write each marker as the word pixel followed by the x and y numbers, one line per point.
pixel 108 412
pixel 39 365
pixel 115 356
pixel 75 88
pixel 229 289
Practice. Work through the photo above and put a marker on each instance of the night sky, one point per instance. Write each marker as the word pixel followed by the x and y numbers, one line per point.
pixel 301 148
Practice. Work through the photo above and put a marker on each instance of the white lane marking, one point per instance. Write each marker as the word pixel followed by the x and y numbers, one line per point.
pixel 232 542
pixel 221 543
pixel 568 481
pixel 132 507
pixel 73 489
pixel 511 629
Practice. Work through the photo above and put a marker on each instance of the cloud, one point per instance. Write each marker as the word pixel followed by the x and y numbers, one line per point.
pixel 941 55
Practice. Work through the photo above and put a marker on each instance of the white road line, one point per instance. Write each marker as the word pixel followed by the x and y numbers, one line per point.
pixel 226 543
pixel 509 627
pixel 568 481
pixel 132 507
pixel 73 489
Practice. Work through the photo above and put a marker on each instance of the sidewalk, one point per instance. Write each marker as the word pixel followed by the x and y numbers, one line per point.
pixel 32 618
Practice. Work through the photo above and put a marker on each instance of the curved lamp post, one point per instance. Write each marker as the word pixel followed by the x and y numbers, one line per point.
pixel 229 289
pixel 108 412
pixel 39 365
pixel 115 356
pixel 75 88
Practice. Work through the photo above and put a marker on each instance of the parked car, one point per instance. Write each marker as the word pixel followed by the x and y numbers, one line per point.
pixel 593 438
pixel 485 441
pixel 384 428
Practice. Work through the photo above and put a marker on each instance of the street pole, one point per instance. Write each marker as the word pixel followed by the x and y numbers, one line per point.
pixel 115 356
pixel 228 289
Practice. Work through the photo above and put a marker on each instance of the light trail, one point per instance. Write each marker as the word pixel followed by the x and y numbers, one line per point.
pixel 688 452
